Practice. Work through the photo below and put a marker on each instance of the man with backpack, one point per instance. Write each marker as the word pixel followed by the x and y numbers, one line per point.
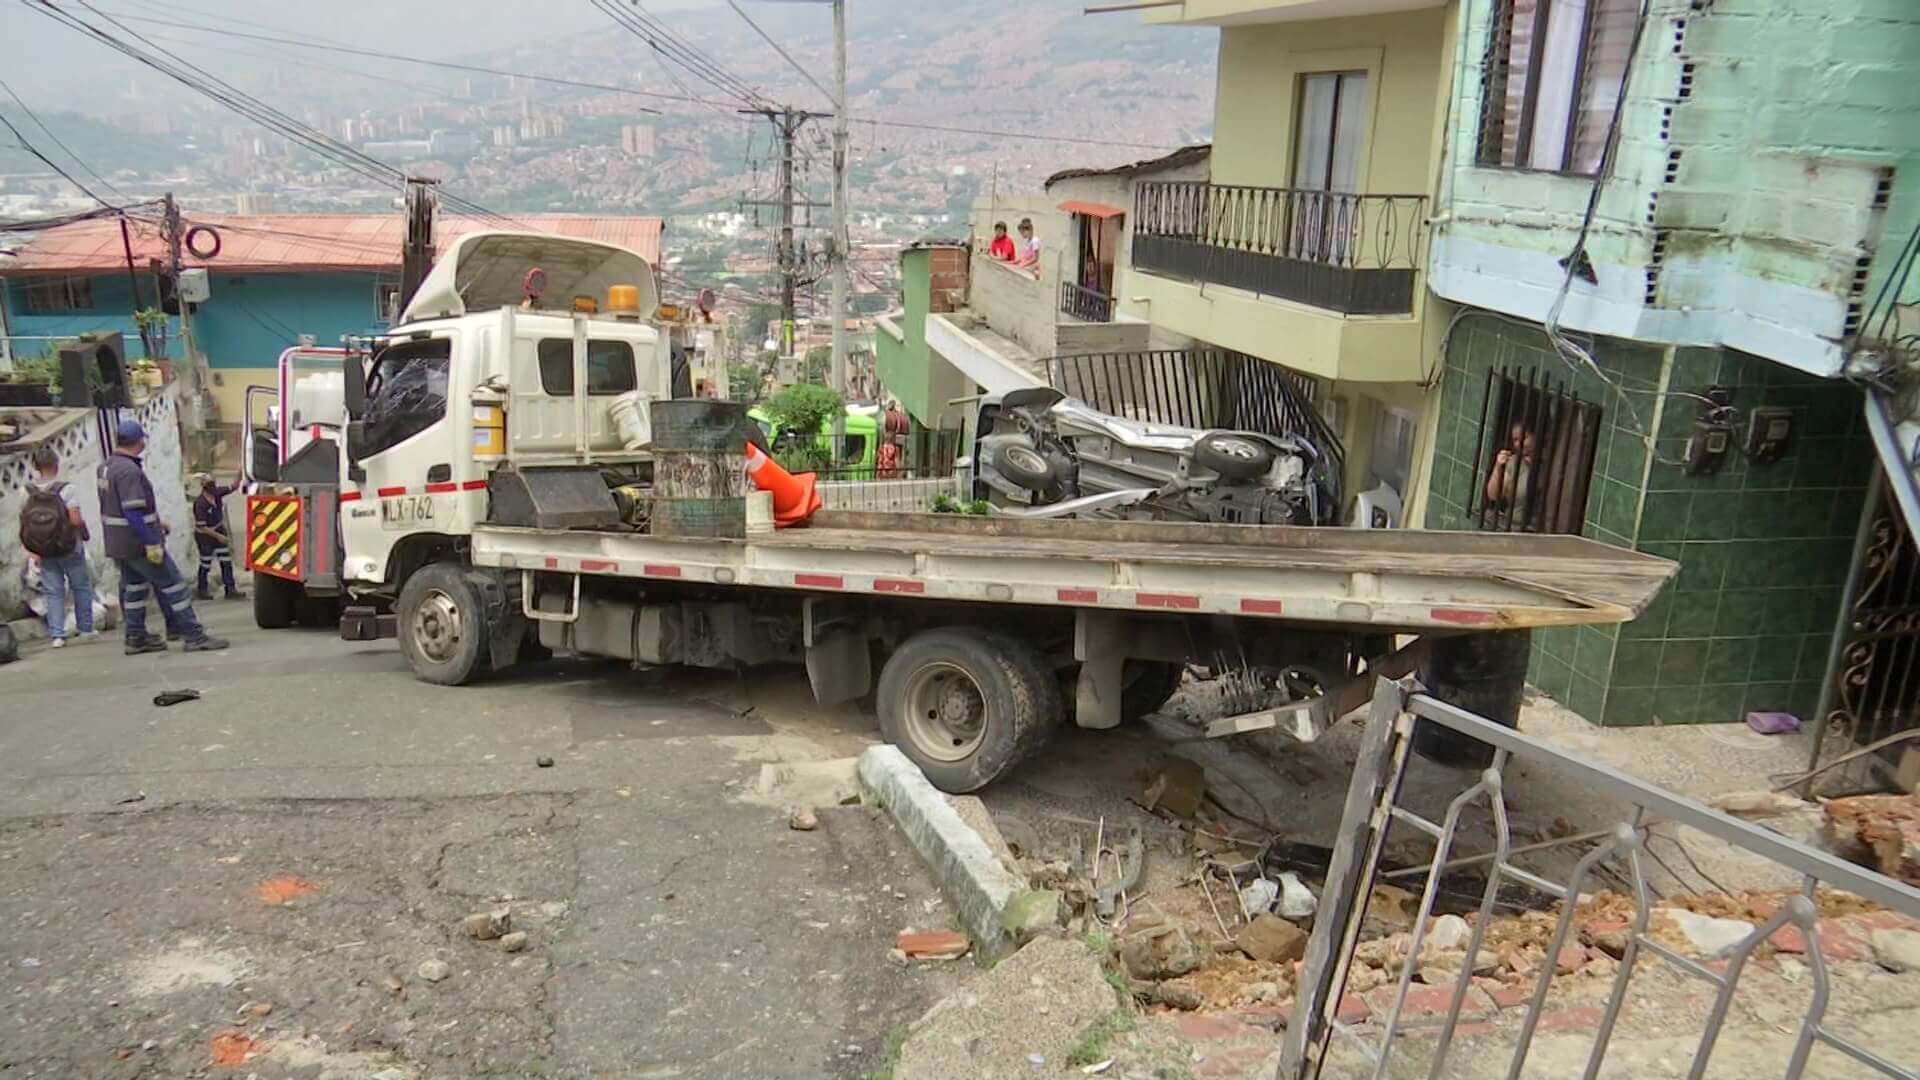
pixel 136 541
pixel 55 531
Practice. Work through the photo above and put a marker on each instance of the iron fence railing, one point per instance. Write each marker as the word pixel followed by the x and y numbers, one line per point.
pixel 1200 388
pixel 897 471
pixel 1352 253
pixel 1375 805
pixel 1087 305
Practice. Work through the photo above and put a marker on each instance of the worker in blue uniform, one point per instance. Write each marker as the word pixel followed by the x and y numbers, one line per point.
pixel 211 538
pixel 136 542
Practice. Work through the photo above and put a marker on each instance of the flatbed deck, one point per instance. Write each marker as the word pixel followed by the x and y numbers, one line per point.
pixel 1404 580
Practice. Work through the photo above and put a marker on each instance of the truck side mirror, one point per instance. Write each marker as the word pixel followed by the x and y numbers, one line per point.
pixel 356 440
pixel 355 390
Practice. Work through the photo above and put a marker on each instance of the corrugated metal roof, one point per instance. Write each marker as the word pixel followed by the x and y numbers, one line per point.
pixel 294 242
pixel 1186 155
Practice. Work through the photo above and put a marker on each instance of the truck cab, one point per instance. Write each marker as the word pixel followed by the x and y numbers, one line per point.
pixel 519 354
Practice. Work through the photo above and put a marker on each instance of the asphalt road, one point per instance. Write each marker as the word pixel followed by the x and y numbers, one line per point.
pixel 248 884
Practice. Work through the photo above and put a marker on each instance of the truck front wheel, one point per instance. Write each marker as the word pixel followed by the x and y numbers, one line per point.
pixel 966 705
pixel 275 601
pixel 443 628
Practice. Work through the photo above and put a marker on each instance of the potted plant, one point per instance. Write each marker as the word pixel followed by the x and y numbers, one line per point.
pixel 154 324
pixel 30 382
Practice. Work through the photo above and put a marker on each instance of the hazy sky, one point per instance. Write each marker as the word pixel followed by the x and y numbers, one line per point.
pixel 44 60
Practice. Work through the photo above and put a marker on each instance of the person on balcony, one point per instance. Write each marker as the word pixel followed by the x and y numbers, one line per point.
pixel 1002 246
pixel 1029 247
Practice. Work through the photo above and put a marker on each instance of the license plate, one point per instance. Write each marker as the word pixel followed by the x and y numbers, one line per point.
pixel 406 512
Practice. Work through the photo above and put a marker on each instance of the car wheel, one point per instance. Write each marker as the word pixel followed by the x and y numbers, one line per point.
pixel 1233 455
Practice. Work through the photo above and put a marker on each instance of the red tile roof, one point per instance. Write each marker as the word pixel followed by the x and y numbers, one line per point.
pixel 293 242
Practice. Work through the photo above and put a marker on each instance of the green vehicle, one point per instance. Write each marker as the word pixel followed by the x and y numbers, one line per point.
pixel 856 460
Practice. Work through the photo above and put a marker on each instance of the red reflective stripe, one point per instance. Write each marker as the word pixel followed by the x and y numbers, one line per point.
pixel 474 485
pixel 597 566
pixel 349 496
pixel 898 585
pixel 1463 616
pixel 1260 607
pixel 553 564
pixel 388 492
pixel 1078 596
pixel 442 488
pixel 1166 600
pixel 658 570
pixel 823 581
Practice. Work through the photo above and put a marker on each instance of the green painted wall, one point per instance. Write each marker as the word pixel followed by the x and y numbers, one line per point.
pixel 902 365
pixel 1763 549
pixel 1768 172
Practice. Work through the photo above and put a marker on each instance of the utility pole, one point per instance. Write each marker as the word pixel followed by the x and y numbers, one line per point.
pixel 787 123
pixel 176 232
pixel 840 252
pixel 417 251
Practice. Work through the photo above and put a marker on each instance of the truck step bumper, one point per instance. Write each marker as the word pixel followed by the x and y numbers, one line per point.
pixel 367 624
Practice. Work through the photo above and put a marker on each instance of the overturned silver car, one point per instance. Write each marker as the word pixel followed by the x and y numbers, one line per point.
pixel 1039 453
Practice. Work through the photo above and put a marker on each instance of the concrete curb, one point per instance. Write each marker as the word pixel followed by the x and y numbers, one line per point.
pixel 975 883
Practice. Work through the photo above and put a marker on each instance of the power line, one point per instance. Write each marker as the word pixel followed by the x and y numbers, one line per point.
pixel 775 45
pixel 580 84
pixel 206 82
pixel 638 22
pixel 49 163
pixel 68 150
pixel 376 54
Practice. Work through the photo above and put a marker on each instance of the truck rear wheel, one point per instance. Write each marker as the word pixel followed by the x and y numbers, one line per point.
pixel 1146 685
pixel 443 629
pixel 966 705
pixel 1483 673
pixel 275 601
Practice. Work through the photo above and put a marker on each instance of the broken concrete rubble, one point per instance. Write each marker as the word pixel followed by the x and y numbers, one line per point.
pixel 1273 939
pixel 1161 952
pixel 1040 1002
pixel 1882 831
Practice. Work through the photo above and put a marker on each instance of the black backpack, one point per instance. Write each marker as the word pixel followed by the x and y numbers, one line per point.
pixel 45 528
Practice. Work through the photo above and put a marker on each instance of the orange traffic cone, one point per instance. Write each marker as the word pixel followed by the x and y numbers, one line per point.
pixel 794 497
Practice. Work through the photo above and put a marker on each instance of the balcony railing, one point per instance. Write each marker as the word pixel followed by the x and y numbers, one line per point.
pixel 1355 254
pixel 1087 305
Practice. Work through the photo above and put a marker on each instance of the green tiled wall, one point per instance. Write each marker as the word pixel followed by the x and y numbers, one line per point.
pixel 1763 549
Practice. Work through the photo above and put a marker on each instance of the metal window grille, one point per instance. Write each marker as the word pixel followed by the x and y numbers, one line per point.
pixel 1533 464
pixel 1515 68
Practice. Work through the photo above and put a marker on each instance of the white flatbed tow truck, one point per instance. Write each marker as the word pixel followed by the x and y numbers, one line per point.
pixel 477 504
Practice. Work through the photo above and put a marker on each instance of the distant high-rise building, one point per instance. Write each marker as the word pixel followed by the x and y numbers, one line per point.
pixel 253 202
pixel 505 135
pixel 637 140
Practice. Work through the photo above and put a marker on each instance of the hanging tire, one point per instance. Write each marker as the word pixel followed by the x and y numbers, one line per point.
pixel 1485 674
pixel 443 627
pixel 966 704
pixel 1233 455
pixel 1145 685
pixel 1022 464
pixel 275 601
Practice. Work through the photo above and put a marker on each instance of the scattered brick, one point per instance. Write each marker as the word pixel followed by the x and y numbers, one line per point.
pixel 1201 1027
pixel 1430 1002
pixel 1838 941
pixel 1468 1031
pixel 1510 997
pixel 1353 1009
pixel 234 1048
pixel 932 944
pixel 1570 1019
pixel 283 890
